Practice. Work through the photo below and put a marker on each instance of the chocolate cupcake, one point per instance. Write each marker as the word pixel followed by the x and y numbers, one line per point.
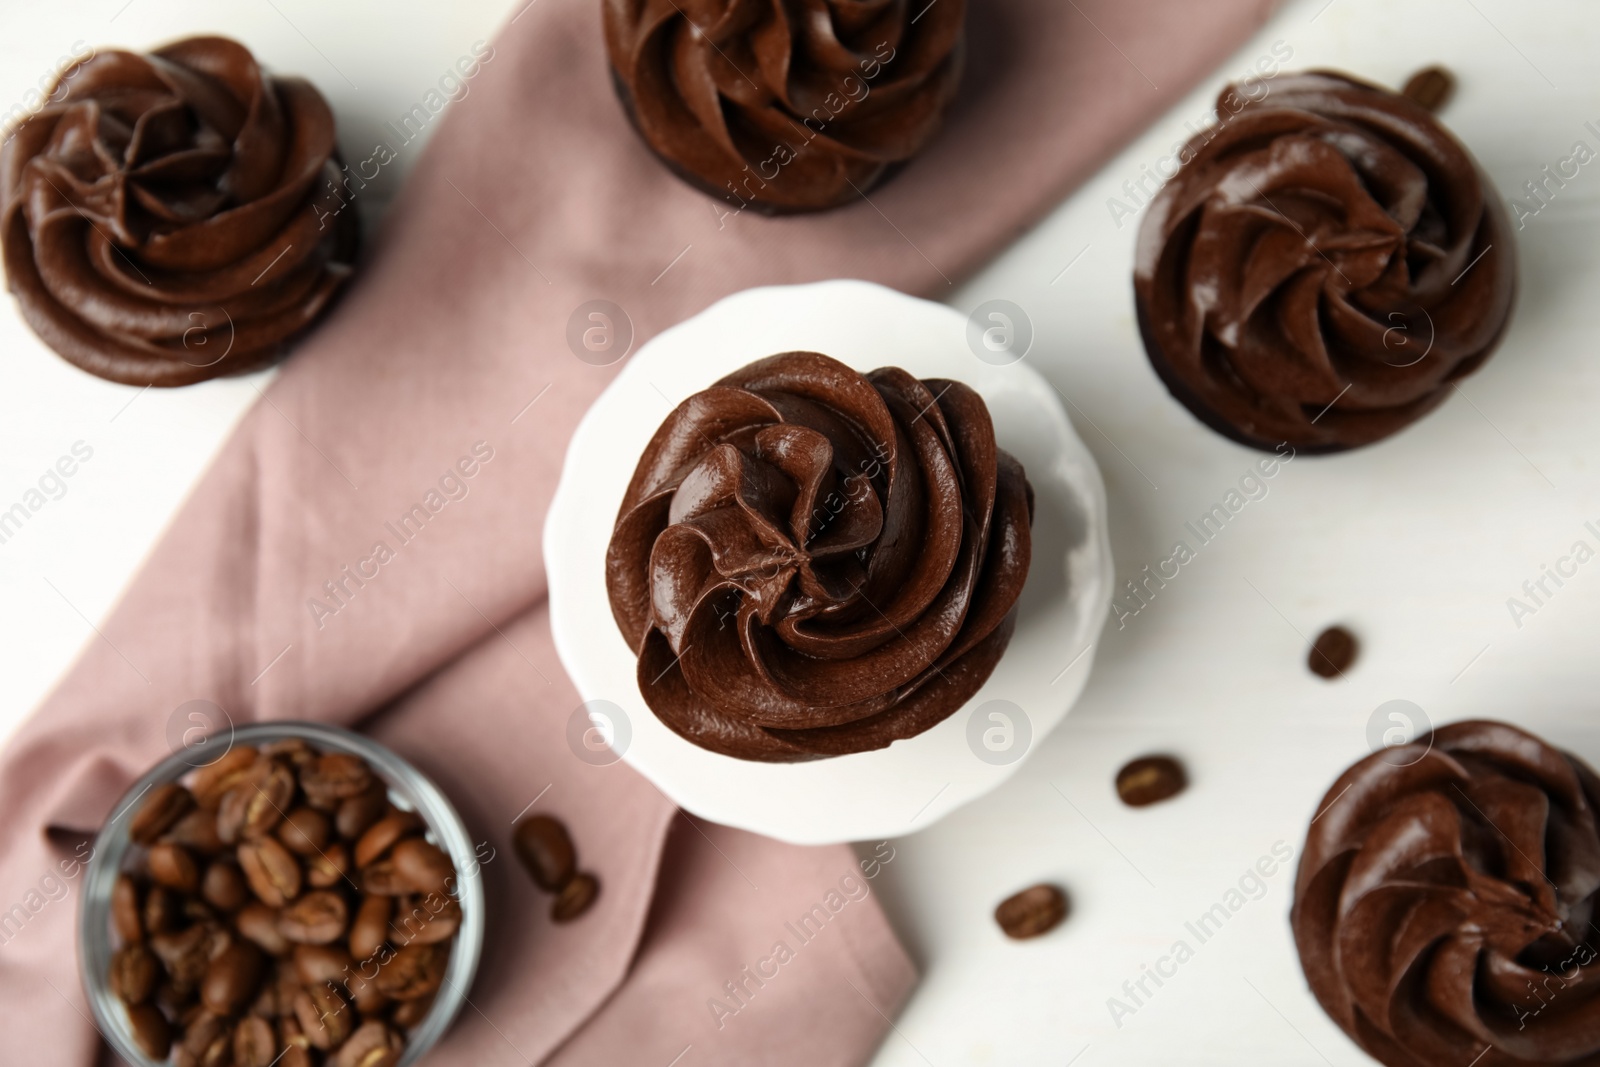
pixel 811 562
pixel 785 107
pixel 1445 904
pixel 173 217
pixel 1324 265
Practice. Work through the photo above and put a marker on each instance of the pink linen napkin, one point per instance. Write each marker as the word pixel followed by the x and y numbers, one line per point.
pixel 449 354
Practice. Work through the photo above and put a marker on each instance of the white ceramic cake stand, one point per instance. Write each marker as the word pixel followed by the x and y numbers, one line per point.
pixel 914 782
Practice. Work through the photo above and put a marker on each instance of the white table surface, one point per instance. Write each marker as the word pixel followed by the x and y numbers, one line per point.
pixel 1416 544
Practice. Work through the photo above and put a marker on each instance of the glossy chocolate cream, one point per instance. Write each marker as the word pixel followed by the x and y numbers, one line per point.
pixel 1445 903
pixel 168 217
pixel 785 107
pixel 811 561
pixel 1323 266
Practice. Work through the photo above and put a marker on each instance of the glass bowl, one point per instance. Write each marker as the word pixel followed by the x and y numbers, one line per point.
pixel 408 788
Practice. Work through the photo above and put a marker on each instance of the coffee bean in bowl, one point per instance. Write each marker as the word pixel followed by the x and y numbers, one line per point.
pixel 307 898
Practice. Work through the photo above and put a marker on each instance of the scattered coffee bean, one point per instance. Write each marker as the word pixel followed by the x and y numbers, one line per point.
pixel 545 849
pixel 1150 779
pixel 1430 87
pixel 1034 911
pixel 575 898
pixel 235 926
pixel 1332 653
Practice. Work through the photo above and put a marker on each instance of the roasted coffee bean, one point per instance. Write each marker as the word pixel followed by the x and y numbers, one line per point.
pixel 207 1041
pixel 231 813
pixel 233 767
pixel 259 923
pixel 371 926
pixel 1034 911
pixel 317 918
pixel 271 869
pixel 382 835
pixel 383 879
pixel 545 849
pixel 163 910
pixel 150 1031
pixel 335 777
pixel 296 1047
pixel 163 806
pixel 254 1043
pixel 372 1045
pixel 329 867
pixel 361 811
pixel 1149 779
pixel 232 978
pixel 317 964
pixel 269 799
pixel 1332 652
pixel 304 831
pixel 223 886
pixel 125 918
pixel 324 1016
pixel 197 832
pixel 364 992
pixel 174 999
pixel 295 751
pixel 422 866
pixel 408 1014
pixel 172 866
pixel 187 953
pixel 575 899
pixel 413 971
pixel 196 911
pixel 425 920
pixel 134 974
pixel 1431 87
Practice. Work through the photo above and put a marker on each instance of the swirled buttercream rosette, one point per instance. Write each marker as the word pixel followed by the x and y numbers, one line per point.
pixel 785 106
pixel 1445 904
pixel 161 219
pixel 809 561
pixel 1325 264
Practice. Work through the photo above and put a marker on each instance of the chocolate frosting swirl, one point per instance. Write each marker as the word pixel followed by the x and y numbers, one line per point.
pixel 811 561
pixel 1445 902
pixel 1322 268
pixel 792 106
pixel 161 222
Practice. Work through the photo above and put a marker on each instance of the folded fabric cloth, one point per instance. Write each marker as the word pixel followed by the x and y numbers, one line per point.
pixel 270 595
